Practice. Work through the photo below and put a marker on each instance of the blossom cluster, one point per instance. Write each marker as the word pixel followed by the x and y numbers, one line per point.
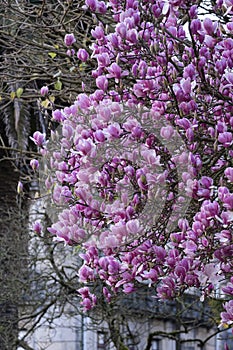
pixel 144 165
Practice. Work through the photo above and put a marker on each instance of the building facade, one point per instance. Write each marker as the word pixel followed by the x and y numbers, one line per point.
pixel 143 323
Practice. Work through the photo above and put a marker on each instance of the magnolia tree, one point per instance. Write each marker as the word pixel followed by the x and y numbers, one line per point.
pixel 142 173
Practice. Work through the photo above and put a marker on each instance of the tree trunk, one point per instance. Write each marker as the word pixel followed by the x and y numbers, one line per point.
pixel 12 255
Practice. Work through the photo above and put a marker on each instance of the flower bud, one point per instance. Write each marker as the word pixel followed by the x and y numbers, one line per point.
pixel 82 55
pixel 69 39
pixel 44 90
pixel 34 164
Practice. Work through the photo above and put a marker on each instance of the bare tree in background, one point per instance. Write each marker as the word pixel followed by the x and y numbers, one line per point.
pixel 32 54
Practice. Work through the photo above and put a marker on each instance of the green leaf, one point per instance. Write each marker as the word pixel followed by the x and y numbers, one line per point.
pixel 12 95
pixel 45 103
pixel 82 66
pixel 52 54
pixel 19 92
pixel 52 98
pixel 58 85
pixel 77 249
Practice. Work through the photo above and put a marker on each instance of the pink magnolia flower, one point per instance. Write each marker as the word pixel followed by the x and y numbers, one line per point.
pixel 85 292
pixel 103 59
pixel 167 132
pixel 114 130
pixel 102 8
pixel 96 6
pixel 167 288
pixel 195 26
pixel 107 294
pixel 83 101
pixel 108 240
pixel 132 35
pixel 58 116
pixel 99 136
pixel 34 164
pixel 102 82
pixel 69 39
pixel 86 147
pixel 86 274
pixel 210 26
pixel 87 304
pixel 82 55
pixel 229 174
pixel 70 52
pixel 121 29
pixel 186 85
pixel 44 90
pixel 38 138
pixel 37 227
pixel 228 289
pixel 128 288
pixel 98 33
pixel 227 316
pixel 211 273
pixel 92 4
pixel 115 71
pixel 133 226
pixel 225 138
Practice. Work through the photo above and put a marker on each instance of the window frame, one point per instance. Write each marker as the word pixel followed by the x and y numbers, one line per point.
pixel 156 342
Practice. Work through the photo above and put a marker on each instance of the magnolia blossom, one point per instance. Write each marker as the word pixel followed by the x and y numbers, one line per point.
pixel 44 90
pixel 34 164
pixel 37 227
pixel 38 138
pixel 143 165
pixel 69 39
pixel 227 316
pixel 82 55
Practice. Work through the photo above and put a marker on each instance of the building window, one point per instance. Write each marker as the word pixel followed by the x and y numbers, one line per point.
pixel 101 341
pixel 155 344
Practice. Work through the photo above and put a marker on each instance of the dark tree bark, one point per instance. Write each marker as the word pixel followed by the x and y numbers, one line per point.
pixel 8 258
pixel 12 251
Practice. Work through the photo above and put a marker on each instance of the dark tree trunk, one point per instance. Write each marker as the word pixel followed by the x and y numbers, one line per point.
pixel 12 254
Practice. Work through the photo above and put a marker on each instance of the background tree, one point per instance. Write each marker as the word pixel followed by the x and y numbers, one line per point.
pixel 32 54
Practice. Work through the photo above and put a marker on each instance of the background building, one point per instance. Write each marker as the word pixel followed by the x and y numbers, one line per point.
pixel 142 322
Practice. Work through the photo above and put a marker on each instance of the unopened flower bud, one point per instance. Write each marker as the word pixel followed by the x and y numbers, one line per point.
pixel 34 164
pixel 69 39
pixel 44 90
